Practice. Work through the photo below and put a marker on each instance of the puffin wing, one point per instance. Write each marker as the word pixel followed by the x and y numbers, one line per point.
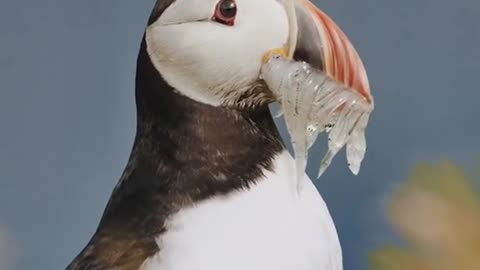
pixel 115 252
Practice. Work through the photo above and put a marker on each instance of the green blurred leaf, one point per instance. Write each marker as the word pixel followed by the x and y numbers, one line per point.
pixel 437 212
pixel 393 258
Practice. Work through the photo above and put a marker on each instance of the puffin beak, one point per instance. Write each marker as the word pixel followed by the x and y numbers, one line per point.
pixel 316 39
pixel 329 94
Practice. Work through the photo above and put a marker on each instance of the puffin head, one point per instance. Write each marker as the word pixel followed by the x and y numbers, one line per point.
pixel 212 50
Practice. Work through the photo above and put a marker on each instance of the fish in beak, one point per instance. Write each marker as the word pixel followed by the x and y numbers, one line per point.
pixel 321 82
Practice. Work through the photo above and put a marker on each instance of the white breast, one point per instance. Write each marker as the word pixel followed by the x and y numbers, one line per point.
pixel 262 228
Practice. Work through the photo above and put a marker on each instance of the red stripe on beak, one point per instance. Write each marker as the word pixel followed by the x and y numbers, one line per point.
pixel 340 60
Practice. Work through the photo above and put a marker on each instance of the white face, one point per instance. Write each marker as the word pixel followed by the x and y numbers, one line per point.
pixel 209 61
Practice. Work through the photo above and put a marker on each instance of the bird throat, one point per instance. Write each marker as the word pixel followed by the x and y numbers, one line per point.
pixel 186 151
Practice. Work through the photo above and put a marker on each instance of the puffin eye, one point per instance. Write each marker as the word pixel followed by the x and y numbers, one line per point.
pixel 225 12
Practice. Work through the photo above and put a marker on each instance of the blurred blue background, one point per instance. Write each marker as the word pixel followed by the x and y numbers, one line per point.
pixel 67 114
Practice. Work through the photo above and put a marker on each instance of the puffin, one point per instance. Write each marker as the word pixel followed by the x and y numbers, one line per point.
pixel 207 185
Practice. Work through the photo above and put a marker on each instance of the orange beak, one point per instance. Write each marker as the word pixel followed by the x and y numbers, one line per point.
pixel 316 39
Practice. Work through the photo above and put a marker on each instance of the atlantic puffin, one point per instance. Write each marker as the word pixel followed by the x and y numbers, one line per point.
pixel 207 186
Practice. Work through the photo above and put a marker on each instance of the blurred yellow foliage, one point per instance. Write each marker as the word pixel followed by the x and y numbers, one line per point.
pixel 437 212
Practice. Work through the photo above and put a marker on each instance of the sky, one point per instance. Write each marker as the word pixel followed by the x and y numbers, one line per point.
pixel 67 115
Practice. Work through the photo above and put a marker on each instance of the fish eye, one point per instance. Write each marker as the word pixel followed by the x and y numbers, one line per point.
pixel 225 12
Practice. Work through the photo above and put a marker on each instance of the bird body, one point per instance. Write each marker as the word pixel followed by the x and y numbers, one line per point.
pixel 208 185
pixel 264 227
pixel 208 188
